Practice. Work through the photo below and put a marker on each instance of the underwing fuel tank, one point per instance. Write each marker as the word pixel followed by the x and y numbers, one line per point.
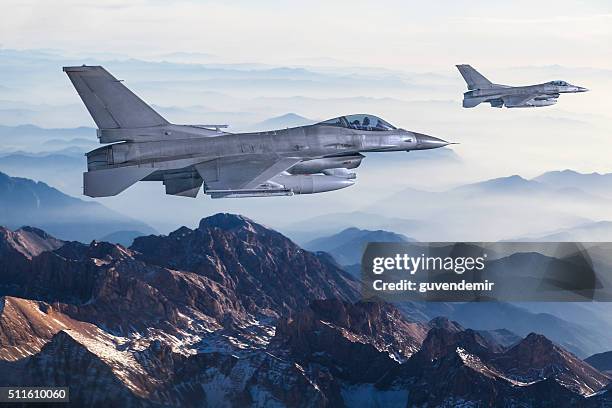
pixel 318 165
pixel 542 102
pixel 312 183
pixel 287 184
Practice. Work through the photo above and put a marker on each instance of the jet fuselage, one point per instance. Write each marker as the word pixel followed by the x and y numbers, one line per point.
pixel 143 146
pixel 308 142
pixel 480 89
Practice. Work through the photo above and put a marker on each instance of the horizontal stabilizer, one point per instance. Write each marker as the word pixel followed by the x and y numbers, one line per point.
pixel 472 102
pixel 110 182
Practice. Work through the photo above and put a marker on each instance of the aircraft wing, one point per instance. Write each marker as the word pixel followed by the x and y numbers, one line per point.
pixel 244 172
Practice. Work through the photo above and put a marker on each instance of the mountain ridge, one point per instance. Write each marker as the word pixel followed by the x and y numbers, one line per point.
pixel 183 320
pixel 28 202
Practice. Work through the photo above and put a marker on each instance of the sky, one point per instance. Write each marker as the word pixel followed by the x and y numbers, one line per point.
pixel 518 42
pixel 395 34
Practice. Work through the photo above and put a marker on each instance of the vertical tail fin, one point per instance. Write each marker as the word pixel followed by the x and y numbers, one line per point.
pixel 111 104
pixel 473 78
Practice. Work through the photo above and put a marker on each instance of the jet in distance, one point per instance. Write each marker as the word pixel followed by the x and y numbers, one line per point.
pixel 143 146
pixel 480 89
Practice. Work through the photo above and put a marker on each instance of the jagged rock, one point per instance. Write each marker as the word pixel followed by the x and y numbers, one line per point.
pixel 234 314
pixel 536 358
pixel 267 273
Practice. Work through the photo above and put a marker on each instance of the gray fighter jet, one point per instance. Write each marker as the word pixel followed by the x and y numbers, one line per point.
pixel 480 89
pixel 142 145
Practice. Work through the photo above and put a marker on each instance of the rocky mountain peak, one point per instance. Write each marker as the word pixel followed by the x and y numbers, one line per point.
pixel 442 322
pixel 28 241
pixel 537 340
pixel 101 250
pixel 379 325
pixel 265 271
pixel 537 348
pixel 25 325
pixel 226 222
pixel 444 339
pixel 36 231
pixel 234 313
pixel 536 357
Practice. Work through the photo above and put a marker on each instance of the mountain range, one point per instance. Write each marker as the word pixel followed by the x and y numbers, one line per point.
pixel 495 209
pixel 232 313
pixel 27 202
pixel 348 245
pixel 596 231
pixel 593 183
pixel 582 328
pixel 34 139
pixel 601 361
pixel 492 210
pixel 284 121
pixel 505 208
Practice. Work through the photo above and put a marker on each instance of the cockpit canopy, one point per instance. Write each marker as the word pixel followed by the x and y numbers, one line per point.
pixel 559 83
pixel 360 122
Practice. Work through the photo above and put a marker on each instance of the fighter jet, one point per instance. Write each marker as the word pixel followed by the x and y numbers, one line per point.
pixel 480 89
pixel 143 146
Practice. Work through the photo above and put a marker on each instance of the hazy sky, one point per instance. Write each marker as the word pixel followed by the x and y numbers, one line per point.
pixel 421 35
pixel 513 42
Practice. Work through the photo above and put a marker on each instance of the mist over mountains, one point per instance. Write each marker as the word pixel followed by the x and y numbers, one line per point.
pixel 247 96
pixel 243 94
pixel 555 205
pixel 500 208
pixel 348 245
pixel 287 120
pixel 559 205
pixel 27 202
pixel 504 208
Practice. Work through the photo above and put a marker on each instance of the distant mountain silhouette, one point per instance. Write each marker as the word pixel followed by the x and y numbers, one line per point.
pixel 594 183
pixel 491 210
pixel 329 224
pixel 347 246
pixel 590 232
pixel 502 185
pixel 61 170
pixel 27 202
pixel 33 138
pixel 601 361
pixel 496 315
pixel 37 132
pixel 20 162
pixel 284 121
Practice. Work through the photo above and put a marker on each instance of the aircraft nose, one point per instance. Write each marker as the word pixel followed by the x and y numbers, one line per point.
pixel 425 142
pixel 581 89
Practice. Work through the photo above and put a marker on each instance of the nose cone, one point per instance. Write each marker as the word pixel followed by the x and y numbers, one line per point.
pixel 425 142
pixel 581 89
